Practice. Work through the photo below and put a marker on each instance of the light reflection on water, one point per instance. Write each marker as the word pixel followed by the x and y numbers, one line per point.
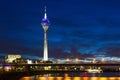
pixel 67 77
pixel 71 78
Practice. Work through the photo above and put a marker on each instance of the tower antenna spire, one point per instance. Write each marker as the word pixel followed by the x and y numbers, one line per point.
pixel 45 14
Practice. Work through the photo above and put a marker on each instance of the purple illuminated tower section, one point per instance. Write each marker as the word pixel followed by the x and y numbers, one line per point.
pixel 45 24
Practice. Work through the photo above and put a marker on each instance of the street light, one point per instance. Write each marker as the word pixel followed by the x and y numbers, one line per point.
pixel 94 60
pixel 67 60
pixel 103 60
pixel 76 60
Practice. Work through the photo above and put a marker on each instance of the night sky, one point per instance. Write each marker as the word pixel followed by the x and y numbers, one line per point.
pixel 78 28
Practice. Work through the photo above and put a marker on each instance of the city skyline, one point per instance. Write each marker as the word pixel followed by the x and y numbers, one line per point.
pixel 78 28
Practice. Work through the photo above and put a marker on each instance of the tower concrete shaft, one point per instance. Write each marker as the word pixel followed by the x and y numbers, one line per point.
pixel 45 25
pixel 45 57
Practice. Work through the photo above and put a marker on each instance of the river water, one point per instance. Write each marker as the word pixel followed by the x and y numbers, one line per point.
pixel 75 76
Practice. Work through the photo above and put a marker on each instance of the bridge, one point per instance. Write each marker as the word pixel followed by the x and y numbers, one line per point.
pixel 54 67
pixel 19 70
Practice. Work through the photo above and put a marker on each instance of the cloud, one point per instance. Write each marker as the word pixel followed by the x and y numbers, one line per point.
pixel 111 49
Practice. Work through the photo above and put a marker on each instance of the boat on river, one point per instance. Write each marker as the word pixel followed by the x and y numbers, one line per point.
pixel 94 70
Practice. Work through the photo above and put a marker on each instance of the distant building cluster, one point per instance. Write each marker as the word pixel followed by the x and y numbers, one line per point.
pixel 11 58
pixel 18 59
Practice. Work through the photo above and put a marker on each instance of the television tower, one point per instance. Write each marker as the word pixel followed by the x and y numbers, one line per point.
pixel 45 24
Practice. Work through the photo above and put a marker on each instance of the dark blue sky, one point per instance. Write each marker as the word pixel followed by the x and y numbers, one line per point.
pixel 78 27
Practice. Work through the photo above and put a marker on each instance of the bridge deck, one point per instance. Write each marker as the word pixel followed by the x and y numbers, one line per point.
pixel 70 64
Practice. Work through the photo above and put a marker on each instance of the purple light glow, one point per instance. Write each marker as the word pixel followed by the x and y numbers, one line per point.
pixel 45 20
